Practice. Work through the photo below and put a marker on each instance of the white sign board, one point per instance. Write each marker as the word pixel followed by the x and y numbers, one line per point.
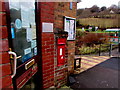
pixel 47 27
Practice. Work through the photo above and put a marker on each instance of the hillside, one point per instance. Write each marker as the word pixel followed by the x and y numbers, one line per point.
pixel 101 17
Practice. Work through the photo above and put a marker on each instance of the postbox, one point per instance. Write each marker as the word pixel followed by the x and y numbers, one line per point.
pixel 61 51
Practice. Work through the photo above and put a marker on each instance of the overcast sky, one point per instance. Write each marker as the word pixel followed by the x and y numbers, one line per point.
pixel 99 3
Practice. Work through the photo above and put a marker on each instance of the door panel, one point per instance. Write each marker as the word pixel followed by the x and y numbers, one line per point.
pixel 23 40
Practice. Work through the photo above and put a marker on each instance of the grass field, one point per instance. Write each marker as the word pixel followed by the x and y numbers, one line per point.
pixel 100 22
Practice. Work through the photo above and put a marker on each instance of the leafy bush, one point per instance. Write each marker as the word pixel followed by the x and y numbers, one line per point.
pixel 93 28
pixel 87 30
pixel 90 50
pixel 87 50
pixel 79 34
pixel 87 43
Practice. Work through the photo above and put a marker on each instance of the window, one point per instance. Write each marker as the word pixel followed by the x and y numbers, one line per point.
pixel 23 29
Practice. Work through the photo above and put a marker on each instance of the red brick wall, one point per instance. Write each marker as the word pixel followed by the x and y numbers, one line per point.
pixel 48 59
pixel 63 9
pixel 5 68
pixel 71 56
pixel 48 44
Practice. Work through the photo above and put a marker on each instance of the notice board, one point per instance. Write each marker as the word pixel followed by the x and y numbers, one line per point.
pixel 70 27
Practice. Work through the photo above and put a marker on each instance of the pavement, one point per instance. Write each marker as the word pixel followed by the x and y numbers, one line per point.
pixel 89 61
pixel 102 75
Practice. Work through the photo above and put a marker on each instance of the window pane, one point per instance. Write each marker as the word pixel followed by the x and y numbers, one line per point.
pixel 23 29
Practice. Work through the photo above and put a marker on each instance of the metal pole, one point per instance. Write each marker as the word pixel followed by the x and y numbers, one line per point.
pixel 119 47
pixel 119 41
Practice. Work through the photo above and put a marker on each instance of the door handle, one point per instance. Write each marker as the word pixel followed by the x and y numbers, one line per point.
pixel 15 62
pixel 18 57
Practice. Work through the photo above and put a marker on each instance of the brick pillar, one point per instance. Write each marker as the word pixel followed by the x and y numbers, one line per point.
pixel 5 66
pixel 71 56
pixel 48 59
pixel 48 44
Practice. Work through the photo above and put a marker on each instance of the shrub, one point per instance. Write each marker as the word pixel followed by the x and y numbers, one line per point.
pixel 92 38
pixel 79 34
pixel 87 30
pixel 93 28
pixel 89 42
pixel 91 50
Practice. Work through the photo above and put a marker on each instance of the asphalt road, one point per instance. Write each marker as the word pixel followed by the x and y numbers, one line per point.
pixel 104 75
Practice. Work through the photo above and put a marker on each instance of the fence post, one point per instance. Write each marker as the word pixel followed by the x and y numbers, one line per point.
pixel 119 47
pixel 110 49
pixel 99 49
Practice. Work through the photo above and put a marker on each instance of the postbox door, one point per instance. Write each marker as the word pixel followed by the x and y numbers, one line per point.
pixel 23 40
pixel 61 55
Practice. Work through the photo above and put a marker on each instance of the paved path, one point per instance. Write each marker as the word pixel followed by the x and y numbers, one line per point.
pixel 89 61
pixel 103 75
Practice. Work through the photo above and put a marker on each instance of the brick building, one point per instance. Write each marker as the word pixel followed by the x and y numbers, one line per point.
pixel 38 42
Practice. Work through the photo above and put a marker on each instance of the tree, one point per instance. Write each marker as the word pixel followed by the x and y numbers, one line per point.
pixel 94 8
pixel 86 13
pixel 79 11
pixel 103 8
pixel 114 8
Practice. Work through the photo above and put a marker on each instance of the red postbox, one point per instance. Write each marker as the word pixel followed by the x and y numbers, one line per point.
pixel 61 51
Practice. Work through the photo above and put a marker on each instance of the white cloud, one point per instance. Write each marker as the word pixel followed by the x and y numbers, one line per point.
pixel 100 3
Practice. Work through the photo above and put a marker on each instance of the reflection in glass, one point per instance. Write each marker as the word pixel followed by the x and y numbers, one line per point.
pixel 23 29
